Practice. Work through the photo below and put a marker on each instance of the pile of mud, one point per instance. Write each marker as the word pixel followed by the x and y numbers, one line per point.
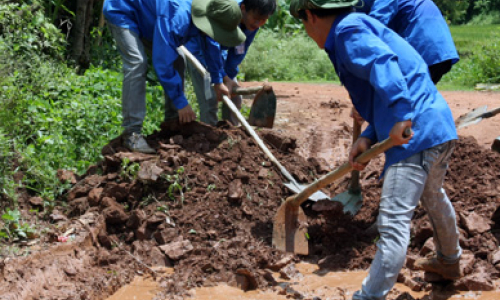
pixel 204 205
pixel 341 242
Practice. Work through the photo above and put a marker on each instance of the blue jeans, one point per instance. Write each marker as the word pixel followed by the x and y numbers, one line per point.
pixel 209 107
pixel 417 178
pixel 134 55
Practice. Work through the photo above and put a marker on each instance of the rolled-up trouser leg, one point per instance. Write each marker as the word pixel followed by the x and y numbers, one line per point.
pixel 135 66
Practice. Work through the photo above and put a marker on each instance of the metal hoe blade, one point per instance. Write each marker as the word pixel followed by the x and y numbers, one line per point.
pixel 471 118
pixel 351 200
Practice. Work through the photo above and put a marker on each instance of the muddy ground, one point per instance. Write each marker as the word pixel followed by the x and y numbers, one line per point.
pixel 204 206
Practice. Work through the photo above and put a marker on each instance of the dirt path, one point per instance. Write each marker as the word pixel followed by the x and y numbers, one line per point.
pixel 317 114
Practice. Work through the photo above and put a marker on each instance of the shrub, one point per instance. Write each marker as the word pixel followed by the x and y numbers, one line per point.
pixel 271 57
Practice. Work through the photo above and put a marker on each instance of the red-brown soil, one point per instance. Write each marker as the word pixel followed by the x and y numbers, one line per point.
pixel 204 205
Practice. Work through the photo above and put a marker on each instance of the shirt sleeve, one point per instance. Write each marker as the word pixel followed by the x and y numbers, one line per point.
pixel 384 10
pixel 236 55
pixel 367 57
pixel 213 59
pixel 370 133
pixel 164 55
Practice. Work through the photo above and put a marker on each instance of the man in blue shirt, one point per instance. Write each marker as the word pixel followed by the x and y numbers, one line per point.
pixel 223 70
pixel 421 24
pixel 390 86
pixel 164 25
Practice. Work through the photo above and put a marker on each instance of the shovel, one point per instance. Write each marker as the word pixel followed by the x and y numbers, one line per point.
pixel 293 185
pixel 352 199
pixel 289 227
pixel 475 116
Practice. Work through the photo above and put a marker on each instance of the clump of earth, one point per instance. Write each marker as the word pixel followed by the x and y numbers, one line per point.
pixel 204 205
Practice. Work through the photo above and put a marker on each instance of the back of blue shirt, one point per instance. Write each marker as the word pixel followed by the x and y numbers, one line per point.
pixel 167 24
pixel 419 22
pixel 388 82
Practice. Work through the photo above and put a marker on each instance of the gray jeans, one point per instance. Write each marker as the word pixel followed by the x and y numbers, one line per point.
pixel 419 177
pixel 209 106
pixel 134 55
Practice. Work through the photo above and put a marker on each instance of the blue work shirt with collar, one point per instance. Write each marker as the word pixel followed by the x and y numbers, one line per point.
pixel 388 82
pixel 419 22
pixel 168 25
pixel 229 58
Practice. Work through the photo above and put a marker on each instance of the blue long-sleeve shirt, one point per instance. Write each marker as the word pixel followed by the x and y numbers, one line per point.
pixel 419 22
pixel 221 61
pixel 168 25
pixel 388 82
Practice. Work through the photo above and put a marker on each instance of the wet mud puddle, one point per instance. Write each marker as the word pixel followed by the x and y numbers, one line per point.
pixel 308 282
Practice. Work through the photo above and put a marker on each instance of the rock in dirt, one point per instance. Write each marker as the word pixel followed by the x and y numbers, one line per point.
pixel 474 223
pixel 177 250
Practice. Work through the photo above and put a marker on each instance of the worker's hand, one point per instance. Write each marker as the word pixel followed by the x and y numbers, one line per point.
pixel 231 84
pixel 221 89
pixel 398 135
pixel 361 145
pixel 356 116
pixel 186 114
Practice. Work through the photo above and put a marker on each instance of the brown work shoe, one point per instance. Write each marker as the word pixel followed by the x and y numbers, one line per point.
pixel 438 266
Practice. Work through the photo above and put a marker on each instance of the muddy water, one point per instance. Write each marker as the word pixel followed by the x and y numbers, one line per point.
pixel 310 282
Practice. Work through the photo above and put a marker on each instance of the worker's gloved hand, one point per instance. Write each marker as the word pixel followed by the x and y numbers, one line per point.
pixel 221 89
pixel 361 145
pixel 398 134
pixel 186 114
pixel 356 116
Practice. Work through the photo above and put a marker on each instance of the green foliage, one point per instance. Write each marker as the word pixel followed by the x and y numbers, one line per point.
pixel 13 226
pixel 478 47
pixel 129 170
pixel 282 21
pixel 26 32
pixel 177 183
pixel 455 11
pixel 286 58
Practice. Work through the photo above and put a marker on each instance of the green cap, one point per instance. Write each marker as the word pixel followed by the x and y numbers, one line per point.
pixel 297 5
pixel 219 19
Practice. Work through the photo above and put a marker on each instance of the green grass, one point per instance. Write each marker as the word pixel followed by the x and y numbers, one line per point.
pixel 469 37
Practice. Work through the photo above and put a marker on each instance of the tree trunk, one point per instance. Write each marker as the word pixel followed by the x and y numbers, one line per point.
pixel 80 35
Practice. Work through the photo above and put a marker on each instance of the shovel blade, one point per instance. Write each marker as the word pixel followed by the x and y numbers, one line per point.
pixel 471 118
pixel 351 200
pixel 297 188
pixel 263 108
pixel 289 230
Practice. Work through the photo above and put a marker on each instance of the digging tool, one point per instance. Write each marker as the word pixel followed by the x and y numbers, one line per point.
pixel 263 109
pixel 475 116
pixel 293 185
pixel 289 228
pixel 352 199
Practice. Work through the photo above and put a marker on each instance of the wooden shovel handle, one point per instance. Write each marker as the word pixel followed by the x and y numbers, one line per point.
pixel 237 90
pixel 341 171
pixel 356 131
pixel 491 113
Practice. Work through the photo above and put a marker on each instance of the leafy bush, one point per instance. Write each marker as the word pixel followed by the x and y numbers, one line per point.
pixel 286 57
